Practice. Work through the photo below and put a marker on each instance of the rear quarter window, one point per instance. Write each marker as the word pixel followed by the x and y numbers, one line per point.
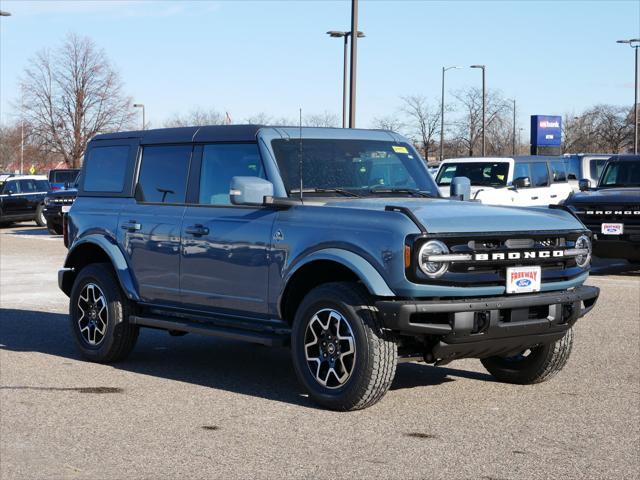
pixel 558 171
pixel 105 169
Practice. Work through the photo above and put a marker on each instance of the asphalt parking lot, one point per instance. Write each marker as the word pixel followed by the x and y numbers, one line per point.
pixel 195 407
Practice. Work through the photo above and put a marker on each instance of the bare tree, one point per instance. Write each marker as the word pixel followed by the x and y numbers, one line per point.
pixel 388 122
pixel 325 119
pixel 470 124
pixel 71 94
pixel 599 129
pixel 423 122
pixel 197 116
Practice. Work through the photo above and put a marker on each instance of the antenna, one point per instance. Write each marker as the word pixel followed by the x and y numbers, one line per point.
pixel 300 156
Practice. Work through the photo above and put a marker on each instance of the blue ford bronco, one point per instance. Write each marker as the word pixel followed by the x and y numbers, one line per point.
pixel 333 241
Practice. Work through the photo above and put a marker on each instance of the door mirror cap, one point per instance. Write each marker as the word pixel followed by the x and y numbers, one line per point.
pixel 249 190
pixel 584 184
pixel 460 188
pixel 521 182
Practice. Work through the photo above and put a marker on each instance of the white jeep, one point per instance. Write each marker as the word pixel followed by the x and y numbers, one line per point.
pixel 518 181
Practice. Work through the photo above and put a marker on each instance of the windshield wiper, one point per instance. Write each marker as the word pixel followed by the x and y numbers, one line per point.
pixel 410 191
pixel 346 193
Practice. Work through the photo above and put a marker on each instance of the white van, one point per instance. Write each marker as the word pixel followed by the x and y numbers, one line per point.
pixel 518 181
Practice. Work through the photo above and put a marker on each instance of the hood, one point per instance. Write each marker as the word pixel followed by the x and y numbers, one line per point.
pixel 72 192
pixel 454 216
pixel 609 196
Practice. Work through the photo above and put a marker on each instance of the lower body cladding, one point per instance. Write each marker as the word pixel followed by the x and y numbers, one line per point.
pixel 485 327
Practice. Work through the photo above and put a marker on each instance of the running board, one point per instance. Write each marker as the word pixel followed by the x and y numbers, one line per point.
pixel 263 338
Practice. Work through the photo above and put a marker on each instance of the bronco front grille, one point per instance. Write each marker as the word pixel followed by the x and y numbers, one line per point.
pixel 593 216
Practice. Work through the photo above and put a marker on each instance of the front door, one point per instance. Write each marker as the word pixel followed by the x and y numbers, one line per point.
pixel 225 248
pixel 13 202
pixel 538 192
pixel 150 224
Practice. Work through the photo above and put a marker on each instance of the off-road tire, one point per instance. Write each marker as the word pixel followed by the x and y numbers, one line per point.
pixel 54 229
pixel 541 364
pixel 376 353
pixel 40 219
pixel 120 336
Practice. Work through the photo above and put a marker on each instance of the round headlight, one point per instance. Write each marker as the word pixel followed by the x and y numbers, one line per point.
pixel 430 268
pixel 583 242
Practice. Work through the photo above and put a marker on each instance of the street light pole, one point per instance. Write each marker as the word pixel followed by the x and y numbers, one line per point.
pixel 21 129
pixel 354 63
pixel 635 44
pixel 514 128
pixel 141 105
pixel 444 69
pixel 484 106
pixel 345 35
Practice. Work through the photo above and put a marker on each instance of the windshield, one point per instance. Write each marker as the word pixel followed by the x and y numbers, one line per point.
pixel 621 174
pixel 354 167
pixel 484 174
pixel 63 176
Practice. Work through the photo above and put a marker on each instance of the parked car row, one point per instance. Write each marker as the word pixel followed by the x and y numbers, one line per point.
pixel 37 198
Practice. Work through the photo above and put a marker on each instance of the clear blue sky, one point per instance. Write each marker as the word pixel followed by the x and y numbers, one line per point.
pixel 274 57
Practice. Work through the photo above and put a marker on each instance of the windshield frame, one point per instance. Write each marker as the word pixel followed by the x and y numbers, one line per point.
pixel 613 164
pixel 418 173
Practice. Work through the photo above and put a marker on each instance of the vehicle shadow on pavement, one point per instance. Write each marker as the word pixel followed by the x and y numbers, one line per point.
pixel 32 232
pixel 221 364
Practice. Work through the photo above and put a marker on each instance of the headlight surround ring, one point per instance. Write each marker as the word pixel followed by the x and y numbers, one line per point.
pixel 583 241
pixel 433 269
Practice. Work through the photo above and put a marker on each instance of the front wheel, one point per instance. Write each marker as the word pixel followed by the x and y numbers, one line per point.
pixel 533 365
pixel 341 355
pixel 99 314
pixel 40 219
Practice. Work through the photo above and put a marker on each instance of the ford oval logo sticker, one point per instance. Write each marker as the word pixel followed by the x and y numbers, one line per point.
pixel 523 282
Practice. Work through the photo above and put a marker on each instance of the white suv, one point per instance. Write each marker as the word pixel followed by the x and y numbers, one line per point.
pixel 518 181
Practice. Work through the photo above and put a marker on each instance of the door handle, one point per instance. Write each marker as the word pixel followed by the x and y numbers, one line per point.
pixel 554 196
pixel 534 198
pixel 197 230
pixel 131 226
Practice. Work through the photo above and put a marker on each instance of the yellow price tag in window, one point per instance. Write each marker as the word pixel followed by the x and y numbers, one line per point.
pixel 400 149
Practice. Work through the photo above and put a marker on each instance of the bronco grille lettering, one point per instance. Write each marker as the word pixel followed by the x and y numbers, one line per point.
pixel 485 257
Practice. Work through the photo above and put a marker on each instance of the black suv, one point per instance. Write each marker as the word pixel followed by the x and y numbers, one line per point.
pixel 612 209
pixel 56 204
pixel 22 198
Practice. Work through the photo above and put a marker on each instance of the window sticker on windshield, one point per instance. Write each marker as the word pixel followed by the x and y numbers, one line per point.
pixel 400 149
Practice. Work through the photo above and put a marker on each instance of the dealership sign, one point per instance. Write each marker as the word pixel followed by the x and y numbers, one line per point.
pixel 546 130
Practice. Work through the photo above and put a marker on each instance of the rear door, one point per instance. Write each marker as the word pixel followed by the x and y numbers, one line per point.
pixel 29 190
pixel 560 187
pixel 538 192
pixel 225 248
pixel 150 225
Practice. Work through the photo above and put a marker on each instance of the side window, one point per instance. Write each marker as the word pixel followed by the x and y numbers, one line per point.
pixel 42 185
pixel 573 168
pixel 27 186
pixel 539 174
pixel 221 162
pixel 522 170
pixel 11 186
pixel 559 172
pixel 163 174
pixel 105 169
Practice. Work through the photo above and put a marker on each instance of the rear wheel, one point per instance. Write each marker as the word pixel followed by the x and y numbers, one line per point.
pixel 99 314
pixel 40 219
pixel 341 355
pixel 533 365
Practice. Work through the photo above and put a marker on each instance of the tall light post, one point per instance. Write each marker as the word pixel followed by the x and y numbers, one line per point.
pixel 354 64
pixel 345 35
pixel 635 44
pixel 444 69
pixel 513 149
pixel 484 106
pixel 141 105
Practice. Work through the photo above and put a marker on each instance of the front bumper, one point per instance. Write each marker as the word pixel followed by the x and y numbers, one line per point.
pixel 481 327
pixel 53 214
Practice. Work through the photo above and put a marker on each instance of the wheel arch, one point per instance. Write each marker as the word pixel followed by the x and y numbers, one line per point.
pixel 97 249
pixel 324 266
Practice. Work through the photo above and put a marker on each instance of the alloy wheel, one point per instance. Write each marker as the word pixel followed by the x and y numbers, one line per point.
pixel 94 315
pixel 329 348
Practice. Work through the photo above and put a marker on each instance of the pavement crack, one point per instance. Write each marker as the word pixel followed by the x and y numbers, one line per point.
pixel 97 390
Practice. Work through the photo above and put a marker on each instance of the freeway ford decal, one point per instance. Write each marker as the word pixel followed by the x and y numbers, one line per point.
pixel 523 279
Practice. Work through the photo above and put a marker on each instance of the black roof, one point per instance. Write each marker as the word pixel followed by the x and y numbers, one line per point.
pixel 207 133
pixel 625 158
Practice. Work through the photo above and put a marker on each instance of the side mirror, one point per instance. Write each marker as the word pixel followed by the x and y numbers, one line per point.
pixel 10 192
pixel 249 190
pixel 521 182
pixel 584 184
pixel 460 188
